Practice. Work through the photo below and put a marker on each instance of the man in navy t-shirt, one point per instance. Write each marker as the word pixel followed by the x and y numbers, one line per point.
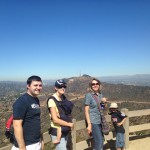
pixel 26 121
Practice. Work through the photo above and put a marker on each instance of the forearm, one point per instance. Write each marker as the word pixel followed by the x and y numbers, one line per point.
pixel 123 121
pixel 18 131
pixel 61 122
pixel 87 116
pixel 57 120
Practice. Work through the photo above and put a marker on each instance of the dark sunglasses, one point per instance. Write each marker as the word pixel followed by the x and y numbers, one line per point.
pixel 60 87
pixel 94 84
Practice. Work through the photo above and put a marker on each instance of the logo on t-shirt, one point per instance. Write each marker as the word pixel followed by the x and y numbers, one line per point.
pixel 35 106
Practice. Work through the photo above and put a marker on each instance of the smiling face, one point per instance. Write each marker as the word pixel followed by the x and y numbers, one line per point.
pixel 95 85
pixel 34 88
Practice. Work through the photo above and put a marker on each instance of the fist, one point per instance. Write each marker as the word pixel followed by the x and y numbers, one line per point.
pixel 104 99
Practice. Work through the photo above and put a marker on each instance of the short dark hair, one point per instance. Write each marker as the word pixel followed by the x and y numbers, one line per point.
pixel 33 78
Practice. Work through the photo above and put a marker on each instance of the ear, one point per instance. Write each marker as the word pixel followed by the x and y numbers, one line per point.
pixel 27 86
pixel 56 88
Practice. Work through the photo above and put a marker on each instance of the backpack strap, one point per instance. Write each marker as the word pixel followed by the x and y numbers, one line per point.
pixel 98 104
pixel 58 104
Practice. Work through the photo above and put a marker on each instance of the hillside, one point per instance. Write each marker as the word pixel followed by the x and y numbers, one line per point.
pixel 127 96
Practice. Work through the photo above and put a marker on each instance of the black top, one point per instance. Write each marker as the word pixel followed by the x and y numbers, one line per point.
pixel 117 117
pixel 27 108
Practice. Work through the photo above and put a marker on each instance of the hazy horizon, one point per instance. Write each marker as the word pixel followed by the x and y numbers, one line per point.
pixel 54 79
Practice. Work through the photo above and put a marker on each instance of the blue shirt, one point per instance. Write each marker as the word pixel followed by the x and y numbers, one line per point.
pixel 27 108
pixel 94 112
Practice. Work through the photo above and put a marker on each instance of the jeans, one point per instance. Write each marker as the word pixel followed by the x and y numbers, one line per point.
pixel 63 142
pixel 97 136
pixel 36 146
pixel 119 140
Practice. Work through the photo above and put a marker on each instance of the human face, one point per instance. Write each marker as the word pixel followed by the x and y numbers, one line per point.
pixel 95 86
pixel 34 88
pixel 112 109
pixel 61 90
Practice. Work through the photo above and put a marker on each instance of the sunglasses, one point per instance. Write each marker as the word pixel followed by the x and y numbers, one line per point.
pixel 94 84
pixel 60 87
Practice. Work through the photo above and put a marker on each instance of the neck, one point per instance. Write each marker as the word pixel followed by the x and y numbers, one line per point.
pixel 31 94
pixel 58 95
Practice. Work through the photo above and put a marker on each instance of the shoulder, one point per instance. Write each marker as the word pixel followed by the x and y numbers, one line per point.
pixel 88 95
pixel 51 102
pixel 88 98
pixel 121 114
pixel 20 100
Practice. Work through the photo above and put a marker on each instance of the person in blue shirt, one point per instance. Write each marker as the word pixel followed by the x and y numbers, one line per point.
pixel 118 119
pixel 26 118
pixel 92 114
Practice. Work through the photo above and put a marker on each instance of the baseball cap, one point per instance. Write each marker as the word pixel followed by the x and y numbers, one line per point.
pixel 60 83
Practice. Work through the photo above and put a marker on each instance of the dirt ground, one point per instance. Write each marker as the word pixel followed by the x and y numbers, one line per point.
pixel 140 144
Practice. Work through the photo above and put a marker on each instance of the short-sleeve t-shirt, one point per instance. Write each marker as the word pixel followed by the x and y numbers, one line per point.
pixel 51 103
pixel 117 117
pixel 27 108
pixel 94 112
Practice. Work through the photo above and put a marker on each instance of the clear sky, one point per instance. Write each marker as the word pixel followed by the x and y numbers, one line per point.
pixel 67 38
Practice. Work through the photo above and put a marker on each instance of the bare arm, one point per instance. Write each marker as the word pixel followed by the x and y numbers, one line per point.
pixel 18 131
pixel 121 123
pixel 57 120
pixel 87 116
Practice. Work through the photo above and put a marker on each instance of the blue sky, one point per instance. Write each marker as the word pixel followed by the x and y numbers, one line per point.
pixel 65 38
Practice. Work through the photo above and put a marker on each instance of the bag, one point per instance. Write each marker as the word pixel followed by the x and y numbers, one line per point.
pixel 104 123
pixel 9 135
pixel 65 108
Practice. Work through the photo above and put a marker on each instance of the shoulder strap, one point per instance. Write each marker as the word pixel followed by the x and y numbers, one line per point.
pixel 95 98
pixel 56 102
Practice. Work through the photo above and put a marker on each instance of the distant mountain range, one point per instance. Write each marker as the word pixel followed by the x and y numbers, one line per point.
pixel 137 80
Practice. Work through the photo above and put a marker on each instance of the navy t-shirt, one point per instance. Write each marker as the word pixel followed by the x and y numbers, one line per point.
pixel 116 118
pixel 27 108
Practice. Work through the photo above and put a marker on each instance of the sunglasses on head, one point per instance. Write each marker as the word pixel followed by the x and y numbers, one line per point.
pixel 94 84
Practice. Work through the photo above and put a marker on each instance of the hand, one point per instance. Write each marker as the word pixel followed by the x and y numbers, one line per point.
pixel 89 129
pixel 71 125
pixel 104 99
